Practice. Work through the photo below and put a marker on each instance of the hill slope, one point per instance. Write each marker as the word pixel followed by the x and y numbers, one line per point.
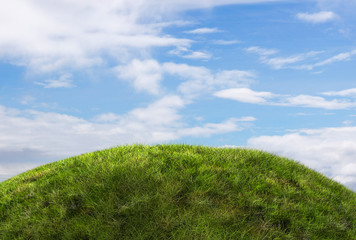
pixel 175 192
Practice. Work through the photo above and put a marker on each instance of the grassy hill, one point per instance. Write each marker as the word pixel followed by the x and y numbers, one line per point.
pixel 175 192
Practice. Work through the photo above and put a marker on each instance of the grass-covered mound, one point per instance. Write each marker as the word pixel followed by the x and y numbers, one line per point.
pixel 175 192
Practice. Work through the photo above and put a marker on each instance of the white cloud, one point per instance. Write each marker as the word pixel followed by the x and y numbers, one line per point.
pixel 64 135
pixel 195 80
pixel 290 61
pixel 341 57
pixel 190 54
pixel 331 151
pixel 230 125
pixel 160 113
pixel 261 51
pixel 64 81
pixel 280 62
pixel 345 8
pixel 203 31
pixel 226 42
pixel 345 56
pixel 145 75
pixel 347 123
pixel 319 17
pixel 197 55
pixel 52 34
pixel 107 117
pixel 26 100
pixel 247 95
pixel 244 95
pixel 318 102
pixel 181 5
pixel 47 35
pixel 200 80
pixel 284 62
pixel 233 78
pixel 247 119
pixel 348 92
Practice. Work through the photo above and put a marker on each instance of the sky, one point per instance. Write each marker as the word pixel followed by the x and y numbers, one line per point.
pixel 85 75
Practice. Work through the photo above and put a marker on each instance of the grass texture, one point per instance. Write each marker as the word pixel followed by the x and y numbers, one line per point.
pixel 175 192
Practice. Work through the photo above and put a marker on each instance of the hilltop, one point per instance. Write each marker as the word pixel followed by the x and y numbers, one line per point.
pixel 175 192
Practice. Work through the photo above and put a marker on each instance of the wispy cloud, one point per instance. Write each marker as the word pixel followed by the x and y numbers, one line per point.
pixel 341 57
pixel 280 62
pixel 261 51
pixel 319 17
pixel 26 100
pixel 64 81
pixel 345 56
pixel 296 61
pixel 230 125
pixel 190 54
pixel 246 95
pixel 318 102
pixel 203 31
pixel 348 92
pixel 225 42
pixel 197 55
pixel 284 62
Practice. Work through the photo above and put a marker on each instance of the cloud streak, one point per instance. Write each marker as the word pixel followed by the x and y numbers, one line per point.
pixel 64 81
pixel 203 31
pixel 348 92
pixel 319 17
pixel 261 51
pixel 225 42
pixel 296 61
pixel 266 57
pixel 246 95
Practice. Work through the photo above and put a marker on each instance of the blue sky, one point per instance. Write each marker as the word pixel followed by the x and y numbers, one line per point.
pixel 87 75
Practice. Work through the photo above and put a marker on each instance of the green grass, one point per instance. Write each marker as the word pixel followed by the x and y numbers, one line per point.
pixel 175 192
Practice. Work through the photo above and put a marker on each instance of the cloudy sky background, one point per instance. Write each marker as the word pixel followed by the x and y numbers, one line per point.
pixel 80 76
